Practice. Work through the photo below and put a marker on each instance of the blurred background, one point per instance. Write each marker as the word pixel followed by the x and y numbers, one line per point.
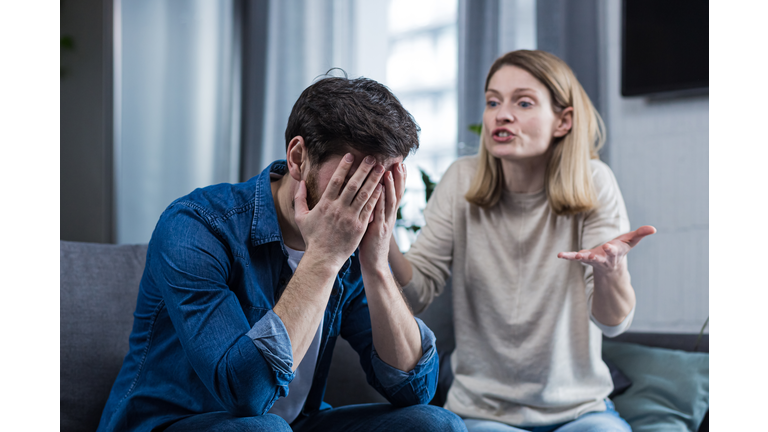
pixel 159 97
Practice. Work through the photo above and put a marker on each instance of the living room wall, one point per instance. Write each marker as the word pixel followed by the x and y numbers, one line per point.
pixel 659 151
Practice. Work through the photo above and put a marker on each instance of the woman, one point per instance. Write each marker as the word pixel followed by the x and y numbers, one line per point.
pixel 502 223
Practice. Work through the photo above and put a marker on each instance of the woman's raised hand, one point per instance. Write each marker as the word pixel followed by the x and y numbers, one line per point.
pixel 609 256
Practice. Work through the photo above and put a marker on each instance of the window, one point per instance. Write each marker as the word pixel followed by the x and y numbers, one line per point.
pixel 421 70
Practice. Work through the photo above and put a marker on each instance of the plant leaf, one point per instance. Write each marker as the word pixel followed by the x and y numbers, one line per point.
pixel 429 185
pixel 476 128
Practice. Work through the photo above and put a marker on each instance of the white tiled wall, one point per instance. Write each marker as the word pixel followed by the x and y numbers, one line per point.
pixel 659 151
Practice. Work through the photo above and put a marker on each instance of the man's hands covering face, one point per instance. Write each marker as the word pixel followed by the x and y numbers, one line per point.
pixel 374 248
pixel 336 225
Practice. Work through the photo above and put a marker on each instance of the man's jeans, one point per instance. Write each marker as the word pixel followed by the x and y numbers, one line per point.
pixel 362 418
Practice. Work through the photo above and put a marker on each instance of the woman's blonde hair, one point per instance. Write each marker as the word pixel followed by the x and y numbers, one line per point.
pixel 568 180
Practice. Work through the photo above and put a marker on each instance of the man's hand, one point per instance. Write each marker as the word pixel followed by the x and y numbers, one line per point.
pixel 375 245
pixel 395 333
pixel 334 227
pixel 331 232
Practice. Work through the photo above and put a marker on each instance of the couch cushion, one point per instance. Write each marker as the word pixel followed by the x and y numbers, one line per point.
pixel 98 287
pixel 670 388
pixel 347 384
pixel 675 341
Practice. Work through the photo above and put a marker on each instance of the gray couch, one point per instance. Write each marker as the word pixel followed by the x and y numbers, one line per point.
pixel 99 285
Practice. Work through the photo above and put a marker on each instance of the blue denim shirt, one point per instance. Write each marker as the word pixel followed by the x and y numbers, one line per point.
pixel 205 337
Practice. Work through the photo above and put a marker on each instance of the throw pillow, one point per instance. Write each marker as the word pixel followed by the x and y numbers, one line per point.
pixel 670 388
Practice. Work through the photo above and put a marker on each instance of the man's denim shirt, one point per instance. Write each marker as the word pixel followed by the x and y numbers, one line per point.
pixel 205 337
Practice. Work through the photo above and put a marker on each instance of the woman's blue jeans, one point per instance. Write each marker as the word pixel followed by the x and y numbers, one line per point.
pixel 600 421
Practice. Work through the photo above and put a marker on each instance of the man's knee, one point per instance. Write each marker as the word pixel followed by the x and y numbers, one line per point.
pixel 433 419
pixel 225 422
pixel 268 422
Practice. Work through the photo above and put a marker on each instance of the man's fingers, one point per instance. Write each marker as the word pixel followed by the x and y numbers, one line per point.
pixel 300 199
pixel 367 211
pixel 339 176
pixel 368 188
pixel 357 181
pixel 379 212
pixel 400 175
pixel 392 199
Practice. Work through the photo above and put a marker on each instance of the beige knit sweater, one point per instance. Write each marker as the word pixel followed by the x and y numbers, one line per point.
pixel 526 352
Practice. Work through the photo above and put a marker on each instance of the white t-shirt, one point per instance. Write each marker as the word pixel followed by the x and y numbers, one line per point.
pixel 289 407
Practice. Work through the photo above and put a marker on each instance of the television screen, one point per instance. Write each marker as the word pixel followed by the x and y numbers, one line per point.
pixel 665 46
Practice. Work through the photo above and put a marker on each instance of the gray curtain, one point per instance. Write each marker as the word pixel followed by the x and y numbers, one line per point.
pixel 289 43
pixel 177 105
pixel 487 29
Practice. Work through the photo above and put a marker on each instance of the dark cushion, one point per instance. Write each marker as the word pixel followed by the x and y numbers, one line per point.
pixel 620 381
pixel 678 341
pixel 670 388
pixel 98 287
pixel 346 379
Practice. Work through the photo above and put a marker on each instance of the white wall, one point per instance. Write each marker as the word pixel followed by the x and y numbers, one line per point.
pixel 659 151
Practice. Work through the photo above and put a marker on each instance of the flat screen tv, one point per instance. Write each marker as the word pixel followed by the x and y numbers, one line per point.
pixel 665 47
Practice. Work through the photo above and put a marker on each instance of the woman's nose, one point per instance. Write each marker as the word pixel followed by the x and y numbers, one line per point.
pixel 504 114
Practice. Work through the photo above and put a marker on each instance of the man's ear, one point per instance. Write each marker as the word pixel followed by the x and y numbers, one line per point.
pixel 297 158
pixel 564 122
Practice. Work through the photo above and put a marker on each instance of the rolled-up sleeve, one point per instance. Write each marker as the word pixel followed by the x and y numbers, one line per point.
pixel 270 337
pixel 394 379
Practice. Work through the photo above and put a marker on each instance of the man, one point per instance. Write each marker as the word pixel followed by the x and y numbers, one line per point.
pixel 247 286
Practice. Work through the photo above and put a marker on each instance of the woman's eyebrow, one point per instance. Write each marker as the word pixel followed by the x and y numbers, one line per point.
pixel 522 90
pixel 515 91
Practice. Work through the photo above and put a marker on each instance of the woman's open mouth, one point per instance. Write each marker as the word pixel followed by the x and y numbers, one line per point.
pixel 502 135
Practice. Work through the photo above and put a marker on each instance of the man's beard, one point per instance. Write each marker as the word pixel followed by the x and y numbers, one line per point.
pixel 313 195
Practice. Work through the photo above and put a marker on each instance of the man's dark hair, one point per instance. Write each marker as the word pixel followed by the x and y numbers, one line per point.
pixel 334 114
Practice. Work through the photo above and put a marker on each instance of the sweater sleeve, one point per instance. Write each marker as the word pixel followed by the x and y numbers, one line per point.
pixel 613 331
pixel 602 224
pixel 431 255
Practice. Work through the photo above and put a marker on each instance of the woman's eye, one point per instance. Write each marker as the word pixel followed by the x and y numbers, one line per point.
pixel 525 104
pixel 492 104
